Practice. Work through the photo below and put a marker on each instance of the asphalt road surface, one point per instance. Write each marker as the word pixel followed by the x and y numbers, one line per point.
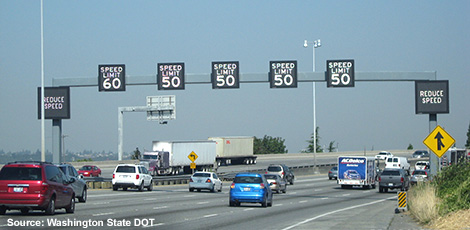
pixel 313 202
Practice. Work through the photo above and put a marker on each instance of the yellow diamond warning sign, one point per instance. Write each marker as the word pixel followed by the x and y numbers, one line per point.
pixel 439 141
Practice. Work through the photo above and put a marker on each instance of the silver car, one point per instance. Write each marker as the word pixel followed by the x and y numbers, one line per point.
pixel 205 180
pixel 78 185
pixel 276 183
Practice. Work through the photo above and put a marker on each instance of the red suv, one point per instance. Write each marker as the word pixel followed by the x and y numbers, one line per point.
pixel 33 185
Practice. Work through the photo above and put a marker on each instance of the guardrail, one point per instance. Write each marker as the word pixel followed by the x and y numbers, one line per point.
pixel 105 183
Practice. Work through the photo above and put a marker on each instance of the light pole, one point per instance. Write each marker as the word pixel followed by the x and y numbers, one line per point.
pixel 316 44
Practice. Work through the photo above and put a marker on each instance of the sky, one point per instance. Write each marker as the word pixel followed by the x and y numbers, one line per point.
pixel 380 36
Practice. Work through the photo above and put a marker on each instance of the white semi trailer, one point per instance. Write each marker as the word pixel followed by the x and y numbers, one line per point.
pixel 175 157
pixel 234 150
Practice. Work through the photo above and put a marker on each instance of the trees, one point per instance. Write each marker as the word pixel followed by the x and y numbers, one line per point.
pixel 310 146
pixel 269 145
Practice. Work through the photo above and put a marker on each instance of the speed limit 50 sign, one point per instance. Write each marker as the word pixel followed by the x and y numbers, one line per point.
pixel 283 74
pixel 112 77
pixel 340 73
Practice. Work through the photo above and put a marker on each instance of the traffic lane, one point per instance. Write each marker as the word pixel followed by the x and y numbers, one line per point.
pixel 174 207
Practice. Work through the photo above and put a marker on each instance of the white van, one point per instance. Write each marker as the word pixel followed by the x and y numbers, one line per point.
pixel 397 162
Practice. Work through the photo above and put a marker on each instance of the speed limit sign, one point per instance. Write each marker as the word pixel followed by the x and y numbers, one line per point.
pixel 170 76
pixel 112 77
pixel 340 73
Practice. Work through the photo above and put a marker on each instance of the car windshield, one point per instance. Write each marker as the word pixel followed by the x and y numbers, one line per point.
pixel 14 173
pixel 202 175
pixel 390 173
pixel 150 157
pixel 125 169
pixel 248 180
pixel 274 168
pixel 421 163
pixel 334 169
pixel 86 168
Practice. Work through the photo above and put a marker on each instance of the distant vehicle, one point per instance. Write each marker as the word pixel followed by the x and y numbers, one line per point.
pixel 422 165
pixel 356 170
pixel 250 188
pixel 283 171
pixel 33 185
pixel 276 183
pixel 131 176
pixel 234 150
pixel 383 155
pixel 79 185
pixel 394 178
pixel 172 157
pixel 90 171
pixel 420 154
pixel 333 173
pixel 205 180
pixel 419 176
pixel 397 162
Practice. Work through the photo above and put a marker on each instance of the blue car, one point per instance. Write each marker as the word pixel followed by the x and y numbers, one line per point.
pixel 250 188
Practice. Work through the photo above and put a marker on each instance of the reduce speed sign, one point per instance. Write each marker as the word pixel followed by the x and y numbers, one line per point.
pixel 340 73
pixel 112 77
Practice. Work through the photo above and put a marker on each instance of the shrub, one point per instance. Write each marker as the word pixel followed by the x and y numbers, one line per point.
pixel 453 187
pixel 423 202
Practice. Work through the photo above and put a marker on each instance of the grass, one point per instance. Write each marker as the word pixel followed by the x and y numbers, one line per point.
pixel 423 202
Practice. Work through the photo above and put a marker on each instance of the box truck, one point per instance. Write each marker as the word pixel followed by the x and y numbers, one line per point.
pixel 234 150
pixel 356 171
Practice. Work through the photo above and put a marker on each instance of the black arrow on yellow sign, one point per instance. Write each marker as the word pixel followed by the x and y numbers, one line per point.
pixel 439 138
pixel 192 155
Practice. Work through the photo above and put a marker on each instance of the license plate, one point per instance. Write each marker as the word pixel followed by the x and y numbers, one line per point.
pixel 124 176
pixel 390 184
pixel 18 189
pixel 246 189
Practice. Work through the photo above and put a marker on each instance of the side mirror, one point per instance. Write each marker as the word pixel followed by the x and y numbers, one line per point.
pixel 80 176
pixel 71 180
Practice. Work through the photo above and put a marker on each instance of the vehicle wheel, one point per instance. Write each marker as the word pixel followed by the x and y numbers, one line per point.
pixel 50 209
pixel 83 197
pixel 292 182
pixel 3 210
pixel 71 207
pixel 264 204
pixel 285 190
pixel 220 189
pixel 381 190
pixel 124 188
pixel 24 211
pixel 141 186
pixel 278 191
pixel 385 189
pixel 231 203
pixel 213 188
pixel 191 189
pixel 115 188
pixel 150 187
pixel 329 178
pixel 270 204
pixel 198 190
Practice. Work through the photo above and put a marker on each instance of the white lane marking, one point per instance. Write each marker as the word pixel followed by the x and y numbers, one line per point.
pixel 293 193
pixel 303 201
pixel 278 205
pixel 104 214
pixel 316 190
pixel 151 199
pixel 366 191
pixel 100 203
pixel 336 211
pixel 161 207
pixel 324 198
pixel 186 196
pixel 154 225
pixel 347 194
pixel 248 209
pixel 210 215
pixel 203 202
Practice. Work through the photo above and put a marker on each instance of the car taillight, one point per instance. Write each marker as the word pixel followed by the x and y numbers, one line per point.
pixel 329 171
pixel 274 182
pixel 261 186
pixel 266 172
pixel 44 187
pixel 233 185
pixel 191 180
pixel 137 176
pixel 380 178
pixel 402 179
pixel 208 180
pixel 283 173
pixel 114 176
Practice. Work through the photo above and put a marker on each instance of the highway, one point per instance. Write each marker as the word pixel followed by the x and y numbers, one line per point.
pixel 313 202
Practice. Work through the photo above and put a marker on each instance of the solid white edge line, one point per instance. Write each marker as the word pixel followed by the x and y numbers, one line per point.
pixel 339 210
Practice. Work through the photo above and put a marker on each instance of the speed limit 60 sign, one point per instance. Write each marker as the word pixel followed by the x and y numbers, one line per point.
pixel 170 76
pixel 340 73
pixel 225 75
pixel 283 74
pixel 112 77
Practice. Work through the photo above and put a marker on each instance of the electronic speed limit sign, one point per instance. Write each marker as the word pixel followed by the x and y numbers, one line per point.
pixel 283 74
pixel 112 77
pixel 225 75
pixel 340 73
pixel 170 76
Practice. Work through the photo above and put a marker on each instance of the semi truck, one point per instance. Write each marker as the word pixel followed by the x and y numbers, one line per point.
pixel 234 150
pixel 357 171
pixel 175 157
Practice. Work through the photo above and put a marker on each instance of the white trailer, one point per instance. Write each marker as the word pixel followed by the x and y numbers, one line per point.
pixel 177 156
pixel 234 150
